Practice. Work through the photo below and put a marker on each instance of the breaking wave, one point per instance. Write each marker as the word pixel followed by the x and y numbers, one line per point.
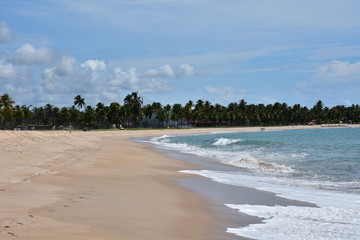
pixel 226 141
pixel 244 159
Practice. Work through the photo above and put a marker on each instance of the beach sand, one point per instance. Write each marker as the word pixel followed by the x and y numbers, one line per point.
pixel 99 185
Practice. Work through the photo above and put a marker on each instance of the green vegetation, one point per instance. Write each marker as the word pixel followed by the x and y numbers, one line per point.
pixel 132 114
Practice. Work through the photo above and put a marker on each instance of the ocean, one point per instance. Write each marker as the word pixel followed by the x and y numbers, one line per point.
pixel 317 166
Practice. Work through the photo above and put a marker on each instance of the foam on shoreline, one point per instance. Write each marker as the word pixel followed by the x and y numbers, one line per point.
pixel 334 213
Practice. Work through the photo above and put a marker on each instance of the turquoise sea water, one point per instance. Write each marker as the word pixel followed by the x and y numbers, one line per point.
pixel 321 166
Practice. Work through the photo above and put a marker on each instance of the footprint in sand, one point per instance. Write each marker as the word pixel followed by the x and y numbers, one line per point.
pixel 12 234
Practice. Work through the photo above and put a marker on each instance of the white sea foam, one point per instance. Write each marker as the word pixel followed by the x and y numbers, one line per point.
pixel 271 156
pixel 298 189
pixel 298 223
pixel 226 141
pixel 163 138
pixel 337 215
pixel 246 160
pixel 243 159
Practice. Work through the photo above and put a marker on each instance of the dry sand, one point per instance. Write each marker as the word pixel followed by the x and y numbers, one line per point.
pixel 92 185
pixel 97 185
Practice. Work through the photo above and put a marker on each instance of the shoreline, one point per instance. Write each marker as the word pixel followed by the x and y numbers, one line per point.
pixel 219 194
pixel 103 192
pixel 102 185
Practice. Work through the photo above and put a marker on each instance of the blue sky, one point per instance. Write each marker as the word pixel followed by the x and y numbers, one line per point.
pixel 174 51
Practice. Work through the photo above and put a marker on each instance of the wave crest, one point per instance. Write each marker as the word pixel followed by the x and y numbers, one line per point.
pixel 161 139
pixel 226 141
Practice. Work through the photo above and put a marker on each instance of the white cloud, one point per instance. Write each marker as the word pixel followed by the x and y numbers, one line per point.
pixel 225 94
pixel 125 79
pixel 111 95
pixel 67 76
pixel 185 70
pixel 91 78
pixel 97 70
pixel 130 80
pixel 95 65
pixel 65 66
pixel 7 70
pixel 18 82
pixel 218 90
pixel 6 34
pixel 337 81
pixel 156 86
pixel 61 77
pixel 28 54
pixel 339 68
pixel 51 81
pixel 164 71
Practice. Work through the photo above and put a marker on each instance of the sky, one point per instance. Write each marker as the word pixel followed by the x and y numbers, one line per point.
pixel 173 51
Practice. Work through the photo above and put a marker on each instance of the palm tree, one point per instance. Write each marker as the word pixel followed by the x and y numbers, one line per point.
pixel 166 114
pixel 101 114
pixel 318 111
pixel 74 117
pixel 163 116
pixel 38 115
pixel 6 102
pixel 27 113
pixel 231 113
pixel 88 118
pixel 208 107
pixel 133 105
pixel 64 116
pixel 199 112
pixel 148 113
pixel 49 114
pixel 218 114
pixel 79 102
pixel 6 107
pixel 188 111
pixel 18 115
pixel 152 113
pixel 156 108
pixel 55 120
pixel 114 113
pixel 177 113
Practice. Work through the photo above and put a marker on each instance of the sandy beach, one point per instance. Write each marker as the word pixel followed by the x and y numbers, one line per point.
pixel 99 185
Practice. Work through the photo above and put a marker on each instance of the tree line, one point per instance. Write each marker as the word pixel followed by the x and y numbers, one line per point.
pixel 132 113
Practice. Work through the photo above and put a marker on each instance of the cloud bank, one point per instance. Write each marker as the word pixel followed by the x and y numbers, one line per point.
pixel 339 68
pixel 94 77
pixel 28 54
pixel 338 80
pixel 268 49
pixel 46 76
